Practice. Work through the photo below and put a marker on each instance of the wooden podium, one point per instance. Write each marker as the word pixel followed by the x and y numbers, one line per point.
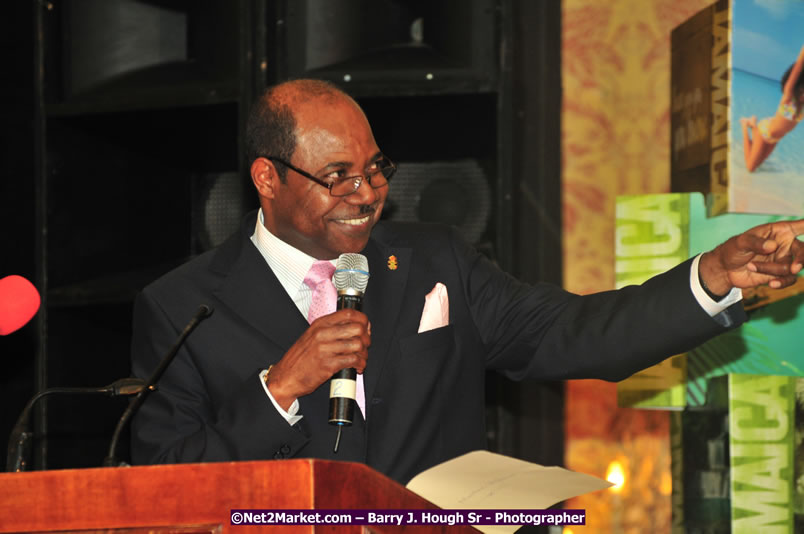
pixel 199 497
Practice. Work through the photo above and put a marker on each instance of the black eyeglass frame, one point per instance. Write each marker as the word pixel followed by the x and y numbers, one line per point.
pixel 329 185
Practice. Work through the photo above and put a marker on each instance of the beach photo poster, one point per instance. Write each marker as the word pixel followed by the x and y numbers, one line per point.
pixel 736 133
pixel 767 38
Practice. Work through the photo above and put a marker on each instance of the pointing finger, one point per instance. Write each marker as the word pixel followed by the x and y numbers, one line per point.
pixel 797 226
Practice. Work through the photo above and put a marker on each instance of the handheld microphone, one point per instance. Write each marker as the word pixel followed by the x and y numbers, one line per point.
pixel 19 439
pixel 350 280
pixel 19 302
pixel 111 460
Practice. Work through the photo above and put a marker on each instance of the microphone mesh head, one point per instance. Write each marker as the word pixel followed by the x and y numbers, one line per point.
pixel 351 273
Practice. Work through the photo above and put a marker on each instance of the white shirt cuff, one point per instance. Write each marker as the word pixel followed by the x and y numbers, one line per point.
pixel 290 415
pixel 710 306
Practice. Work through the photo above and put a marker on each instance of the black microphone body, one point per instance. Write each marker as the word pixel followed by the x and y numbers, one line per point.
pixel 344 382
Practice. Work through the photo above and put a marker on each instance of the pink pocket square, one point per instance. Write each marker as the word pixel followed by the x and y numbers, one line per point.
pixel 436 309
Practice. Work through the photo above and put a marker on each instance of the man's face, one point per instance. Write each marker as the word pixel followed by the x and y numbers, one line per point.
pixel 331 135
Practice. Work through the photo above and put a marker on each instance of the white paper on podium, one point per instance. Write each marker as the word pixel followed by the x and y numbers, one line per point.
pixel 485 480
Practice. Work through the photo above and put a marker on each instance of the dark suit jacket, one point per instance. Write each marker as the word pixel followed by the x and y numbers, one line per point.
pixel 424 392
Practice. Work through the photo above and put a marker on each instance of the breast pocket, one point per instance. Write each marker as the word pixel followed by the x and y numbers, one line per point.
pixel 426 353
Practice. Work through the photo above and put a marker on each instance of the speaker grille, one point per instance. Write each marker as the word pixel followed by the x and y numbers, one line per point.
pixel 450 192
pixel 222 199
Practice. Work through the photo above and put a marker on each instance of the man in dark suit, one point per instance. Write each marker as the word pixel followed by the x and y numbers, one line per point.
pixel 252 380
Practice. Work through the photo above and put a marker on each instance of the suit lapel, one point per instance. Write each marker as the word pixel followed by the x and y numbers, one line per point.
pixel 382 304
pixel 253 292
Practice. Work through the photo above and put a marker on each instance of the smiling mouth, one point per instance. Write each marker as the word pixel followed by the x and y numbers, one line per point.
pixel 355 222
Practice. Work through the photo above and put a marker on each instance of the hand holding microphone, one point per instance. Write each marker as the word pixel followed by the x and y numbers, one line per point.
pixel 334 342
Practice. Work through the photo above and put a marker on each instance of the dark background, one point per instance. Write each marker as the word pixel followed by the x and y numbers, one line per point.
pixel 17 205
pixel 122 156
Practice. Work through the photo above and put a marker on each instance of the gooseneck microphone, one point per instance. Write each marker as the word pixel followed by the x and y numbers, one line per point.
pixel 350 280
pixel 111 460
pixel 20 438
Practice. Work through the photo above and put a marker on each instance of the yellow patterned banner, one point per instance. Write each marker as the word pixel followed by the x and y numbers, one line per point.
pixel 652 236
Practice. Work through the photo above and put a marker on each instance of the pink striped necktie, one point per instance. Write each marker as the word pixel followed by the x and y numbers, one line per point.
pixel 324 302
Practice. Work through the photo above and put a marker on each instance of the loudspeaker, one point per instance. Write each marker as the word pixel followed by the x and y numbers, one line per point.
pixel 102 50
pixel 386 46
pixel 220 200
pixel 108 38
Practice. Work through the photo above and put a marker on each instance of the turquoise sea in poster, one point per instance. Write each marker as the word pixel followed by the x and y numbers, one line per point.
pixel 769 343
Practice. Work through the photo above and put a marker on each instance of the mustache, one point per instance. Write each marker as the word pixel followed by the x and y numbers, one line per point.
pixel 366 209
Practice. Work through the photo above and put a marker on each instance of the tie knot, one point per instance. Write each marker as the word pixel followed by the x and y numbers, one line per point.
pixel 321 271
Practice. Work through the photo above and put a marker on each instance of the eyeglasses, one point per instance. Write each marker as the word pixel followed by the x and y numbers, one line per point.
pixel 377 176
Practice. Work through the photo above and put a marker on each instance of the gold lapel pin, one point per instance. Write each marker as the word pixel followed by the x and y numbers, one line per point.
pixel 392 265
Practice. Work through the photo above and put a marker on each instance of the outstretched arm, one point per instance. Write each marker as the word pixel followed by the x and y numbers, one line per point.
pixel 766 254
pixel 793 79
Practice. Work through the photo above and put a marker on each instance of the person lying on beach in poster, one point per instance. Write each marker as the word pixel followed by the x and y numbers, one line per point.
pixel 769 131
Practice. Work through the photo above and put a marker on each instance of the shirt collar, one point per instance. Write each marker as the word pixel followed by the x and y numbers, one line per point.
pixel 289 264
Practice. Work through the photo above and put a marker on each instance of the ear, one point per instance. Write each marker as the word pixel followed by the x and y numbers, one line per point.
pixel 264 177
